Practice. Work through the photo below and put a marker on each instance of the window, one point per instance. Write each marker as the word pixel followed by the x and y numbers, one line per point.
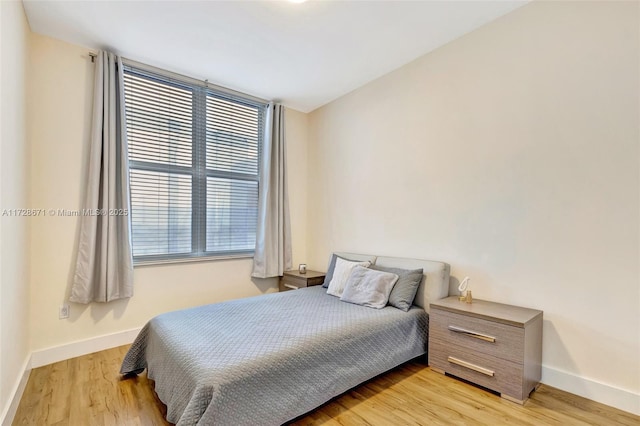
pixel 194 161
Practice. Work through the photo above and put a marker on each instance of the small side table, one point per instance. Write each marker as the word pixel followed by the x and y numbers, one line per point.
pixel 294 280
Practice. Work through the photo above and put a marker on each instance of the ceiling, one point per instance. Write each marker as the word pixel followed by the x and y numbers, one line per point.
pixel 301 54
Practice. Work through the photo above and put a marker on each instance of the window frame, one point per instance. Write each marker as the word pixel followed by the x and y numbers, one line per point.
pixel 198 170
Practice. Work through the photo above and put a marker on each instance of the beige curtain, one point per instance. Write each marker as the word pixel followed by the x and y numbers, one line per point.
pixel 104 266
pixel 273 236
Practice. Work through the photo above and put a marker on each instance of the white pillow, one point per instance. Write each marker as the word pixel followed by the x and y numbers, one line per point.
pixel 367 287
pixel 341 274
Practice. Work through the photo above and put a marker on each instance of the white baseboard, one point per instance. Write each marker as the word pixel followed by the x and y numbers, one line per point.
pixel 82 347
pixel 622 399
pixel 16 394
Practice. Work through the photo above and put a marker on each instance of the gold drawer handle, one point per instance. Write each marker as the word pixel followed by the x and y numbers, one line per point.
pixel 291 286
pixel 470 366
pixel 472 333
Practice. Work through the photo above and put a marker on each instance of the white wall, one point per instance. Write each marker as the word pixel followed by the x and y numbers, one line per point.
pixel 59 111
pixel 14 180
pixel 511 153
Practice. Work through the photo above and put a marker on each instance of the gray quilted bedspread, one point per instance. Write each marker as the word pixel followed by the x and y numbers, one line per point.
pixel 268 359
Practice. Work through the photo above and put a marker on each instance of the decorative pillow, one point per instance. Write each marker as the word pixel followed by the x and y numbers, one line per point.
pixel 405 289
pixel 340 275
pixel 332 265
pixel 367 287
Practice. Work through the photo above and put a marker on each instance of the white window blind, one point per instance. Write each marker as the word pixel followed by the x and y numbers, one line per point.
pixel 194 161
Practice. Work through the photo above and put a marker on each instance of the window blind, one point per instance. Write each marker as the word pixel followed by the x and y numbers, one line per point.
pixel 194 157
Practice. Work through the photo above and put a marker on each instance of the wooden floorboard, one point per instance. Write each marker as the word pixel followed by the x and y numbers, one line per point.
pixel 89 391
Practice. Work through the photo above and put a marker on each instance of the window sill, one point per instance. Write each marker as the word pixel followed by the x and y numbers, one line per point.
pixel 143 263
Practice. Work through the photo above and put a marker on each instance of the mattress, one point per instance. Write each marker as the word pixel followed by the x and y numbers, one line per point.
pixel 269 359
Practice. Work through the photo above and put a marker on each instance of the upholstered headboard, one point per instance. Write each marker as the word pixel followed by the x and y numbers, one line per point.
pixel 435 282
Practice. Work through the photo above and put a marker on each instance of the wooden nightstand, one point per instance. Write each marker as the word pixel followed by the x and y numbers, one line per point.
pixel 490 344
pixel 293 280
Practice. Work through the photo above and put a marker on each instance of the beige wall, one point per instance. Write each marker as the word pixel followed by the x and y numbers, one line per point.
pixel 511 153
pixel 59 111
pixel 297 130
pixel 14 179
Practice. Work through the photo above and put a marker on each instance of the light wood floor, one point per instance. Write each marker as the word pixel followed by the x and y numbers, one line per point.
pixel 89 391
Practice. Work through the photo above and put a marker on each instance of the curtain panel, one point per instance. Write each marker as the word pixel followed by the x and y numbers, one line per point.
pixel 273 236
pixel 104 264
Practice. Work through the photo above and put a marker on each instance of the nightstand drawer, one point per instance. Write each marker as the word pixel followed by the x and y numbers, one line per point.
pixel 293 280
pixel 478 335
pixel 291 283
pixel 492 373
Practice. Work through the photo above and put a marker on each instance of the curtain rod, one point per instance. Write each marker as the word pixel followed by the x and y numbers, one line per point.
pixel 185 77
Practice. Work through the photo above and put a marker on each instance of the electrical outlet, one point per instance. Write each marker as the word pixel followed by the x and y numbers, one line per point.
pixel 63 313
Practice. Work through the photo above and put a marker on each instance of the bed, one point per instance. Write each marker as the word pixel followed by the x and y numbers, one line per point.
pixel 271 358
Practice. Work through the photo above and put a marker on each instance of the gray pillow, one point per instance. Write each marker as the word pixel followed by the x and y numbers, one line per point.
pixel 332 265
pixel 367 287
pixel 405 289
